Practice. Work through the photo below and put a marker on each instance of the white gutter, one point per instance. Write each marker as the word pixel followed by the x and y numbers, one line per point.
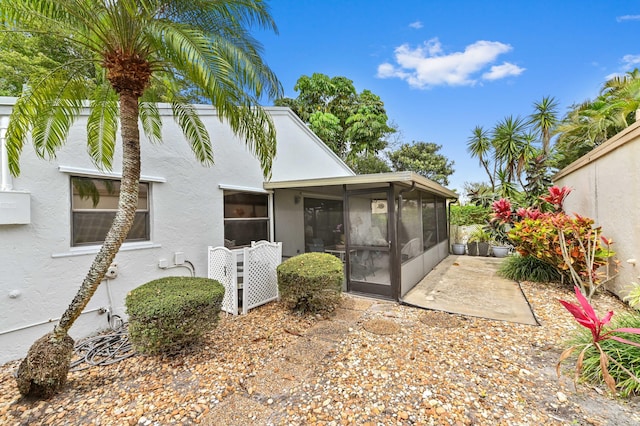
pixel 6 181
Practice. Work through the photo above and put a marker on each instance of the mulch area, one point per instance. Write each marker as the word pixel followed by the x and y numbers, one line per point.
pixel 371 363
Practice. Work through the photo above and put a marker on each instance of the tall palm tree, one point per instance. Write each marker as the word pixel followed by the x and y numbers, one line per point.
pixel 479 146
pixel 143 50
pixel 509 141
pixel 544 120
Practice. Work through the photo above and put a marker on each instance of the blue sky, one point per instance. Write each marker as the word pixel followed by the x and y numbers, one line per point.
pixel 443 67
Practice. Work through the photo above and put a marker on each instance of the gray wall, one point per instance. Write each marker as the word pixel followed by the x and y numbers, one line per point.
pixel 606 184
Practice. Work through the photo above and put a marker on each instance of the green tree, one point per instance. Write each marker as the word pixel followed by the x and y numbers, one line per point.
pixel 544 120
pixel 509 141
pixel 349 123
pixel 368 163
pixel 590 123
pixel 132 43
pixel 480 146
pixel 424 159
pixel 26 57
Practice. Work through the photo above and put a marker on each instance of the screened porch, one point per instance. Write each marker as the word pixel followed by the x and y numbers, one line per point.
pixel 388 229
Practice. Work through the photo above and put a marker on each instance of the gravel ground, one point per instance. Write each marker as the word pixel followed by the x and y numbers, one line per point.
pixel 372 363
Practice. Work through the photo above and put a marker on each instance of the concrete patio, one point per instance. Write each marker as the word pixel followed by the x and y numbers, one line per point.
pixel 470 285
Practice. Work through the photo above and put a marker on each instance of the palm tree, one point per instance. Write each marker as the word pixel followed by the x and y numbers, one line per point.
pixel 479 145
pixel 544 120
pixel 143 51
pixel 509 142
pixel 592 122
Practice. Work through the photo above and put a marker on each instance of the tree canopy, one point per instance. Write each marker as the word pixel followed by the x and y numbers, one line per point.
pixel 424 159
pixel 350 123
pixel 30 56
pixel 590 123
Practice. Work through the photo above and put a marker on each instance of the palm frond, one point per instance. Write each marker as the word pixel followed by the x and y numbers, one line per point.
pixel 194 131
pixel 102 126
pixel 151 121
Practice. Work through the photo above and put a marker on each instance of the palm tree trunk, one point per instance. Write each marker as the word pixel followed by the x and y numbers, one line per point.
pixel 127 205
pixel 45 368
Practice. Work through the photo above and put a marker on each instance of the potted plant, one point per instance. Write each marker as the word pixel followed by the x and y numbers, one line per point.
pixel 458 246
pixel 500 244
pixel 478 244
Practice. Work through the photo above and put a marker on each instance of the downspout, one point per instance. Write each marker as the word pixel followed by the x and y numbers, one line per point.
pixel 6 181
pixel 449 222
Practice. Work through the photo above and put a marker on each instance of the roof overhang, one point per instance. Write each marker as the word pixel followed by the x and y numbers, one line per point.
pixel 406 179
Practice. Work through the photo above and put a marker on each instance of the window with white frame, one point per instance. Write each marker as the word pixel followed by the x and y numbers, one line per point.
pixel 94 202
pixel 246 218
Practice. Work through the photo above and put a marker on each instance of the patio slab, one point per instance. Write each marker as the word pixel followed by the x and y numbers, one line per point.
pixel 470 285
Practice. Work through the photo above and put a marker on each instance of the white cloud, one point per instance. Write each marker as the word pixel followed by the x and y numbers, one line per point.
pixel 502 71
pixel 630 61
pixel 427 65
pixel 416 25
pixel 628 18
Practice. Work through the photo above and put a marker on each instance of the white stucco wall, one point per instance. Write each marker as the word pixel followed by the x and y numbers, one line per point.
pixel 39 270
pixel 606 184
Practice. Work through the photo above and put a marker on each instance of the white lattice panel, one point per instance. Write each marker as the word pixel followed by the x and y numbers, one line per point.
pixel 223 268
pixel 260 278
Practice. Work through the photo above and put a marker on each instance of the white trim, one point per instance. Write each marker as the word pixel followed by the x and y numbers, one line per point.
pixel 83 251
pixel 78 171
pixel 243 189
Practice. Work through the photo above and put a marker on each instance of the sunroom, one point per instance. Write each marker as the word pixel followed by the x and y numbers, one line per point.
pixel 389 229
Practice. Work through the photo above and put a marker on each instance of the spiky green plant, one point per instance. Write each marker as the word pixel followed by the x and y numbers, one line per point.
pixel 626 355
pixel 528 268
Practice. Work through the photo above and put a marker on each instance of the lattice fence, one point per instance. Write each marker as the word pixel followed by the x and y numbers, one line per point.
pixel 223 267
pixel 252 269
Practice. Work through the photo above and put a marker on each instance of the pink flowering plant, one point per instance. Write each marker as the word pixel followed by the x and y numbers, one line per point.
pixel 586 316
pixel 573 245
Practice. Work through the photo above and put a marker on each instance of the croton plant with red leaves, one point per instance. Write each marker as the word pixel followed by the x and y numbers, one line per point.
pixel 586 316
pixel 536 233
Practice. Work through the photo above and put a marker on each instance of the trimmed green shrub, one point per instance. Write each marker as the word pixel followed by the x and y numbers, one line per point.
pixel 626 355
pixel 469 214
pixel 170 313
pixel 528 268
pixel 311 282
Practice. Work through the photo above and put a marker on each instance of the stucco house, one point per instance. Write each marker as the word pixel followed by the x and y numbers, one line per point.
pixel 605 185
pixel 389 229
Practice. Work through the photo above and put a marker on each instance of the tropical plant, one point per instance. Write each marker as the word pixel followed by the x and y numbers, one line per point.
pixel 626 355
pixel 479 145
pixel 544 120
pixel 142 49
pixel 528 268
pixel 586 316
pixel 509 141
pixel 589 124
pixel 634 296
pixel 571 244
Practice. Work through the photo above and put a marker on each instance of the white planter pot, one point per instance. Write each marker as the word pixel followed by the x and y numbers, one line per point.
pixel 500 251
pixel 458 248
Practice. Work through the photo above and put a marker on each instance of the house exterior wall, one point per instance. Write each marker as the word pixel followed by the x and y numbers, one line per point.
pixel 40 272
pixel 606 184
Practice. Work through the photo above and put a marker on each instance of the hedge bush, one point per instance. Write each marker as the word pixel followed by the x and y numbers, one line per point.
pixel 311 282
pixel 170 313
pixel 469 214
